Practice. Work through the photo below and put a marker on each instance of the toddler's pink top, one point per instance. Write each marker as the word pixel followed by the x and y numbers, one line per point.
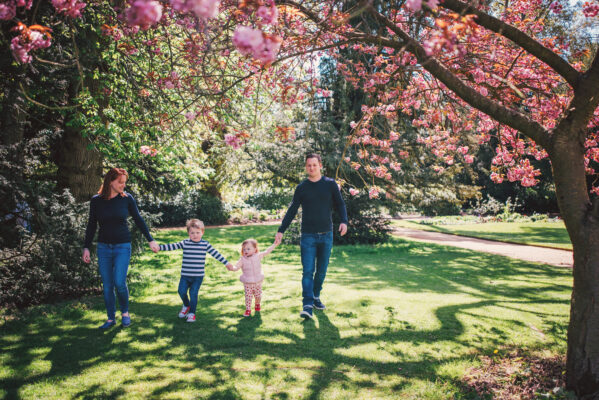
pixel 251 267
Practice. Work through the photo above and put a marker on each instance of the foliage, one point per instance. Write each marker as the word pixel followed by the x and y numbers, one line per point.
pixel 186 205
pixel 269 200
pixel 46 266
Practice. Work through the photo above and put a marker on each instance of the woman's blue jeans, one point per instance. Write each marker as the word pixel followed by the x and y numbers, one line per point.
pixel 113 264
pixel 315 250
pixel 191 283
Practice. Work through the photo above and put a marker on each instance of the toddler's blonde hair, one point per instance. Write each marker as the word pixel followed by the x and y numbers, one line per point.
pixel 195 223
pixel 253 242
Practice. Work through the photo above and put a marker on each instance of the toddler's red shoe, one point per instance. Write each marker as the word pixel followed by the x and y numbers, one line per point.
pixel 247 313
pixel 257 307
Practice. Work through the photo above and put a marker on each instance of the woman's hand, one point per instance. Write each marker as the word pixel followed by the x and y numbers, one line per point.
pixel 86 257
pixel 154 246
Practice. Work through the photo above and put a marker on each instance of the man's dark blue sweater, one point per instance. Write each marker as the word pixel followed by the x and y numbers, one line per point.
pixel 112 216
pixel 317 200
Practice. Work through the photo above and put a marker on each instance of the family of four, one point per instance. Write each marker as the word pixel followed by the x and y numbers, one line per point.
pixel 317 195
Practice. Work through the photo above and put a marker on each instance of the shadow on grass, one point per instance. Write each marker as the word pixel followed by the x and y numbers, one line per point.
pixel 217 348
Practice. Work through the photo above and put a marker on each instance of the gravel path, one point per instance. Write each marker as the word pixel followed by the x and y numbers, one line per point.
pixel 544 255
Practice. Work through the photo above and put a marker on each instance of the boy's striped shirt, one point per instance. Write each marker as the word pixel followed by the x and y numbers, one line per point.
pixel 194 255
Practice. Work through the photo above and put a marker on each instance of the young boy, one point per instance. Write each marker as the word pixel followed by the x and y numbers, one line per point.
pixel 192 268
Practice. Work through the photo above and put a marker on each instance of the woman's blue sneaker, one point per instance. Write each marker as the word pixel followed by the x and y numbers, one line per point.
pixel 108 324
pixel 126 321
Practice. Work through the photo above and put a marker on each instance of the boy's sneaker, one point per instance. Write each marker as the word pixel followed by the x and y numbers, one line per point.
pixel 318 304
pixel 257 307
pixel 306 312
pixel 126 320
pixel 247 313
pixel 183 312
pixel 191 317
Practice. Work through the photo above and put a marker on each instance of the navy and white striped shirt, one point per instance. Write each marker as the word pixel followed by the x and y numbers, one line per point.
pixel 194 255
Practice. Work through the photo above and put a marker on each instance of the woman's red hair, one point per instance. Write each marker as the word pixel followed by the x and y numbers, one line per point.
pixel 111 176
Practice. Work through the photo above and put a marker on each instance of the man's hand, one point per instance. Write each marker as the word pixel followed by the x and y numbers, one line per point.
pixel 278 238
pixel 342 229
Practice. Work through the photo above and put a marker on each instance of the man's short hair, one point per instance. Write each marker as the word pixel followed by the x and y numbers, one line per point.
pixel 313 155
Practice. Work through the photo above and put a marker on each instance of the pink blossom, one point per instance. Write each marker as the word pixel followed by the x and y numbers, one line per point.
pixel 190 115
pixel 469 159
pixel 148 151
pixel 8 10
pixel 29 40
pixel 232 140
pixel 373 193
pixel 414 5
pixel 432 3
pixel 353 124
pixel 495 177
pixel 590 10
pixel 204 8
pixel 72 8
pixel 556 7
pixel 268 15
pixel 595 190
pixel 254 42
pixel 144 13
pixel 327 93
pixel 247 39
pixel 353 191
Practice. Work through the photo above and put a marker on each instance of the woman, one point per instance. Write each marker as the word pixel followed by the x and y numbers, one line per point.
pixel 110 208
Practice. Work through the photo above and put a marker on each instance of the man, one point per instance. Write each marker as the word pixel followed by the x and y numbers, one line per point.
pixel 317 195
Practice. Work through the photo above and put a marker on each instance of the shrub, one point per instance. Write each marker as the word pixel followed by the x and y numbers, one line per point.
pixel 46 264
pixel 194 204
pixel 269 200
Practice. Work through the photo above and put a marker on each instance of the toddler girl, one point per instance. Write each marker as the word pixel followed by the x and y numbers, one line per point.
pixel 251 276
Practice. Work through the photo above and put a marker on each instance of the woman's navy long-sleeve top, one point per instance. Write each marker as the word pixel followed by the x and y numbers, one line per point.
pixel 112 215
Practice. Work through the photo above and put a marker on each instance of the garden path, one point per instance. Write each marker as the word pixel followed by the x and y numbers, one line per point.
pixel 544 255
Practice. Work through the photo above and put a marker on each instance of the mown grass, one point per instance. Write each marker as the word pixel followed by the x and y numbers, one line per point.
pixel 541 233
pixel 403 320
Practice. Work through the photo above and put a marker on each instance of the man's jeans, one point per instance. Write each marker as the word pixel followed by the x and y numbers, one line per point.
pixel 191 283
pixel 113 264
pixel 315 250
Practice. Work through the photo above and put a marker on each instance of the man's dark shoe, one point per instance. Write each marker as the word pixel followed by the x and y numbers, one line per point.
pixel 318 304
pixel 306 313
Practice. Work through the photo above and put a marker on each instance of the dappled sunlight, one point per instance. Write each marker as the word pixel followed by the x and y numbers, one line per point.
pixel 401 317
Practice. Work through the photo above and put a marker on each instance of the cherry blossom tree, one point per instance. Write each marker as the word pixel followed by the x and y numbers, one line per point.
pixel 465 71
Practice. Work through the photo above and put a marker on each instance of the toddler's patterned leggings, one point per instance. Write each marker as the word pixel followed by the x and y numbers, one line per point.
pixel 252 289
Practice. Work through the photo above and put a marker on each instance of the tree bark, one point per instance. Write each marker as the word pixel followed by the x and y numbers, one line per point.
pixel 79 166
pixel 582 222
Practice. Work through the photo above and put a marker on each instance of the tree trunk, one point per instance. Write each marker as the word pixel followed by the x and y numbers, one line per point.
pixel 582 222
pixel 79 166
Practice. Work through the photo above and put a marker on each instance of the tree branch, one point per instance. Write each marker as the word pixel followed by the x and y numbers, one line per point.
pixel 507 116
pixel 558 64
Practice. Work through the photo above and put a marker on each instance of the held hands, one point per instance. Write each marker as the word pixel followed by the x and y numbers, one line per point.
pixel 86 257
pixel 229 266
pixel 278 238
pixel 154 246
pixel 342 229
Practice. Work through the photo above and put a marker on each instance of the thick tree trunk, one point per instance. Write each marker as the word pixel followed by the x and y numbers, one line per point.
pixel 79 165
pixel 582 222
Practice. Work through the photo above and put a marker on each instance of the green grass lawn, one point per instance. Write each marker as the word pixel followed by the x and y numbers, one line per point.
pixel 403 320
pixel 547 234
